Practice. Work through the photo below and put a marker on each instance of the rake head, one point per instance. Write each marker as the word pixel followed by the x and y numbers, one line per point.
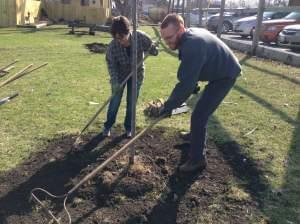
pixel 34 197
pixel 77 144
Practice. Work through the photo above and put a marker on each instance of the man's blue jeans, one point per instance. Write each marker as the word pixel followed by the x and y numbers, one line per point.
pixel 211 98
pixel 114 105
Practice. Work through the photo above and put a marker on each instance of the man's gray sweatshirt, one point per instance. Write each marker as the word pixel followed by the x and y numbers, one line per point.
pixel 203 57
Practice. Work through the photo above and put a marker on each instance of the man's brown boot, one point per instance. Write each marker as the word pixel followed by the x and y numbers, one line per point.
pixel 193 165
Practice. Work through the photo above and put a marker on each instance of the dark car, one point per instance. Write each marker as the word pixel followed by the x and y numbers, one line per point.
pixel 229 19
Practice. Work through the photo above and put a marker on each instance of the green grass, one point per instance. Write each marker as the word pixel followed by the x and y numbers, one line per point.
pixel 55 100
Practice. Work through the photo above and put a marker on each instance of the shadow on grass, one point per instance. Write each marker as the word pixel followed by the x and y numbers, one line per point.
pixel 284 116
pixel 246 168
pixel 290 190
pixel 285 201
pixel 275 74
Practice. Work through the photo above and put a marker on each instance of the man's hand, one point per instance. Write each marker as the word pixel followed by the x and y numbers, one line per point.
pixel 155 108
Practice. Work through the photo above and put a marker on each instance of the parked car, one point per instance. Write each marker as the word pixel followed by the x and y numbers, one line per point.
pixel 194 15
pixel 245 26
pixel 271 29
pixel 194 18
pixel 229 19
pixel 290 37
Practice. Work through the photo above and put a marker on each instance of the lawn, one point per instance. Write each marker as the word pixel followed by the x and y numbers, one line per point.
pixel 258 123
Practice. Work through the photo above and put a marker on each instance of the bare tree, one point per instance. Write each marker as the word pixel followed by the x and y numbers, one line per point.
pixel 124 7
pixel 294 3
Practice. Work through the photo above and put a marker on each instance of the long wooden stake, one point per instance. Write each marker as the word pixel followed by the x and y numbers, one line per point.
pixel 12 78
pixel 21 73
pixel 4 67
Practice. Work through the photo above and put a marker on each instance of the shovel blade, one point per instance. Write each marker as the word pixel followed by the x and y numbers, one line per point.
pixel 182 109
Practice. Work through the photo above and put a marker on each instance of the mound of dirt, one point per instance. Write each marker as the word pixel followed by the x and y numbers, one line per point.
pixel 149 191
pixel 97 47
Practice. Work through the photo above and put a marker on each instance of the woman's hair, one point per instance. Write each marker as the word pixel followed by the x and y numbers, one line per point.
pixel 120 25
pixel 172 18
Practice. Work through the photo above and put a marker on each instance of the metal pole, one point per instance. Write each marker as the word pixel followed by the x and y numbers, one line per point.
pixel 261 8
pixel 221 19
pixel 134 76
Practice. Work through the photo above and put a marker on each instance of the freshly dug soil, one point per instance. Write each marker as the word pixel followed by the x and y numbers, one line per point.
pixel 149 191
pixel 97 47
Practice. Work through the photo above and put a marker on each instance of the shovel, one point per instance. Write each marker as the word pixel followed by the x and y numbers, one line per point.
pixel 7 99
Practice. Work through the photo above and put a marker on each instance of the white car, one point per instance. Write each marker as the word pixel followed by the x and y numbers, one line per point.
pixel 245 26
pixel 290 37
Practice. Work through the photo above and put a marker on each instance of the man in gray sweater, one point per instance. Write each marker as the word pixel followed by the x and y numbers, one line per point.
pixel 203 58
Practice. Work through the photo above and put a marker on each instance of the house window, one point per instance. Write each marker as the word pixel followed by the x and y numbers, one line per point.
pixel 65 1
pixel 85 2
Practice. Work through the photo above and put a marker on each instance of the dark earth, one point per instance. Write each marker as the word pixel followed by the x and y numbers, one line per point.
pixel 97 47
pixel 149 191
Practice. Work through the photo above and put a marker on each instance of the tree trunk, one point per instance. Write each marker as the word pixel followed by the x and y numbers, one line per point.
pixel 177 7
pixel 169 6
pixel 173 5
pixel 124 7
pixel 294 3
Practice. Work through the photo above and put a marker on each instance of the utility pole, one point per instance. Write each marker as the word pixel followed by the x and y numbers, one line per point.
pixel 183 8
pixel 200 7
pixel 169 6
pixel 221 19
pixel 261 8
pixel 177 7
pixel 173 4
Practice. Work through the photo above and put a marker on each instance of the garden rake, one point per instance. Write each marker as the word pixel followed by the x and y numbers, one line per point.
pixel 183 109
pixel 5 69
pixel 86 178
pixel 78 140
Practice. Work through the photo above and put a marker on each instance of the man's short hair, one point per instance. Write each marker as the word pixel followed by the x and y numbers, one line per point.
pixel 172 18
pixel 120 25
